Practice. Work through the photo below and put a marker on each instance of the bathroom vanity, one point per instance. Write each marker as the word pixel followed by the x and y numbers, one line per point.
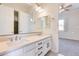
pixel 14 25
pixel 30 46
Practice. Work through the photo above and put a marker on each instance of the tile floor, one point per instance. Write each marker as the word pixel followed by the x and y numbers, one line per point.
pixel 67 47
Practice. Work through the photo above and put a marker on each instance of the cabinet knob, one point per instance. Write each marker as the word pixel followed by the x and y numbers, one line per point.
pixel 40 48
pixel 40 53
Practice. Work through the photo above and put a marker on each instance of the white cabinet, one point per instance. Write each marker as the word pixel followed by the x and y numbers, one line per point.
pixel 6 20
pixel 39 48
pixel 23 22
pixel 30 53
pixel 18 52
pixel 47 45
pixel 43 46
pixel 29 50
pixel 40 53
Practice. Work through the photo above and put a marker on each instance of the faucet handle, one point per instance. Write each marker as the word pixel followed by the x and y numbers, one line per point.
pixel 11 39
pixel 16 38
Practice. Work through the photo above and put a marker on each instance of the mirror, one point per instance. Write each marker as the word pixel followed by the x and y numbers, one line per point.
pixel 26 23
pixel 31 24
pixel 44 23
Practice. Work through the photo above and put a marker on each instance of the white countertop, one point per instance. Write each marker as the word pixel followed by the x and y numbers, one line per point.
pixel 6 45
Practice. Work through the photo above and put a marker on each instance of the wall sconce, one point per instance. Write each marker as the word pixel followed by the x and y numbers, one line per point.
pixel 39 9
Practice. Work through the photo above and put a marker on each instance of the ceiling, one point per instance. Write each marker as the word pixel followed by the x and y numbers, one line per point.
pixel 75 6
pixel 43 5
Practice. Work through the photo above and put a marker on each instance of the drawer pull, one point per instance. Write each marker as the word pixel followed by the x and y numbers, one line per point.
pixel 19 38
pixel 47 45
pixel 39 48
pixel 40 53
pixel 40 43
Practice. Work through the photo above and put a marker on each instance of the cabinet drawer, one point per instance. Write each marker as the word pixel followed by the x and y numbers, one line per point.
pixel 40 53
pixel 47 39
pixel 39 48
pixel 39 43
pixel 29 47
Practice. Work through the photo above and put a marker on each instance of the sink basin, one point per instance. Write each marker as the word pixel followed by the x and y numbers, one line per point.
pixel 3 46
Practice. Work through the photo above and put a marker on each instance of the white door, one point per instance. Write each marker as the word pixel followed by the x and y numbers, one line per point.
pixel 23 22
pixel 6 20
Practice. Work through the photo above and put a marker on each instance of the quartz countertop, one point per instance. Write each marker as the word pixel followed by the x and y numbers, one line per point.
pixel 7 46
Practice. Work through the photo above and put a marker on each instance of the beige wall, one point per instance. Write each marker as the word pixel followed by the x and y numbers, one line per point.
pixel 54 27
pixel 72 25
pixel 19 6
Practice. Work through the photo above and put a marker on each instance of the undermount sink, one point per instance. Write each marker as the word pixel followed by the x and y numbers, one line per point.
pixel 17 42
pixel 11 43
pixel 4 45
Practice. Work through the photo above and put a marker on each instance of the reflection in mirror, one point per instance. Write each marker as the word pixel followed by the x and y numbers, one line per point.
pixel 26 23
pixel 44 23
pixel 31 25
pixel 15 22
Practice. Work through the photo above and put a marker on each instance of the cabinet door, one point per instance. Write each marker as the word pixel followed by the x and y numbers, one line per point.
pixel 29 50
pixel 30 53
pixel 47 45
pixel 18 52
pixel 6 20
pixel 23 22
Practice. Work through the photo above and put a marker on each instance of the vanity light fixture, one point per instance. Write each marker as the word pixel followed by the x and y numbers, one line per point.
pixel 31 20
pixel 39 9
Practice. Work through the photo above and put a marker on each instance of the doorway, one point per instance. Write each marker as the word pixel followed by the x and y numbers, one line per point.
pixel 69 30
